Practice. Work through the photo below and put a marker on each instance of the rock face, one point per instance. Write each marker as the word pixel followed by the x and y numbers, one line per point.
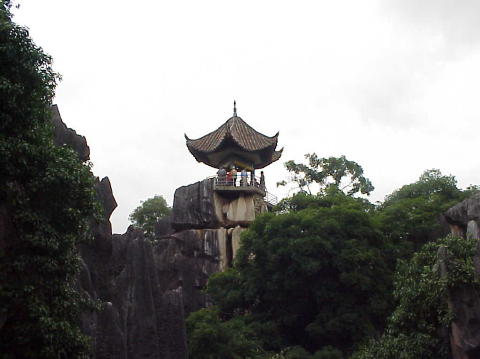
pixel 62 135
pixel 464 220
pixel 194 207
pixel 142 314
pixel 199 206
pixel 137 282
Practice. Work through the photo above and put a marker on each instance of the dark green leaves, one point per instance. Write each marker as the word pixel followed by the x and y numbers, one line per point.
pixel 46 199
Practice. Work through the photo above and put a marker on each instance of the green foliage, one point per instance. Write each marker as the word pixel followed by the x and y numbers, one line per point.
pixel 46 200
pixel 148 213
pixel 328 172
pixel 410 216
pixel 313 278
pixel 422 314
pixel 212 338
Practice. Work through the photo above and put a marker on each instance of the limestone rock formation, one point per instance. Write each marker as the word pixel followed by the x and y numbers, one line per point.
pixel 141 317
pixel 464 220
pixel 139 289
pixel 194 207
pixel 62 135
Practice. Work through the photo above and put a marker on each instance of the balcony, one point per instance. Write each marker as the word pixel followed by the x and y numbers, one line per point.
pixel 229 187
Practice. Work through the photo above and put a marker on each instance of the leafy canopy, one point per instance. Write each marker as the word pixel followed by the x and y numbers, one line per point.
pixel 315 278
pixel 411 214
pixel 421 292
pixel 46 201
pixel 149 213
pixel 328 172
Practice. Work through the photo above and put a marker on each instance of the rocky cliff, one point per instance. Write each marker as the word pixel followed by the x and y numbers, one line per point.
pixel 143 286
pixel 464 221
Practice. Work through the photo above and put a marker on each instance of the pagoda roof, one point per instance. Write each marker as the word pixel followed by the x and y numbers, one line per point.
pixel 239 131
pixel 235 142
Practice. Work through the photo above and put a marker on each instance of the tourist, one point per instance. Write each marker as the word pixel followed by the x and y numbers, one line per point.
pixel 234 175
pixel 229 178
pixel 243 178
pixel 262 180
pixel 221 174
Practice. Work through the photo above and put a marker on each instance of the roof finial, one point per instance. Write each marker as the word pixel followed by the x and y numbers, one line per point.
pixel 234 108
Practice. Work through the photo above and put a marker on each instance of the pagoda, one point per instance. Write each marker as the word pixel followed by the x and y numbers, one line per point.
pixel 228 202
pixel 235 144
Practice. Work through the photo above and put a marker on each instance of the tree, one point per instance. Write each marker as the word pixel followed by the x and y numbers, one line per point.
pixel 411 215
pixel 422 313
pixel 327 172
pixel 314 278
pixel 47 198
pixel 212 338
pixel 149 213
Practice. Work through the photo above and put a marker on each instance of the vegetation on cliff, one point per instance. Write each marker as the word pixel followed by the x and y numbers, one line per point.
pixel 316 278
pixel 417 328
pixel 46 200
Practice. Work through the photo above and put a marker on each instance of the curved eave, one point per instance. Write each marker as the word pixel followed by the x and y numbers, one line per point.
pixel 275 157
pixel 237 130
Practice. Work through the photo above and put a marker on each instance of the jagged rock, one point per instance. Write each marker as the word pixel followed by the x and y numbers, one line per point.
pixel 459 215
pixel 140 316
pixel 105 196
pixel 66 136
pixel 193 206
pixel 186 259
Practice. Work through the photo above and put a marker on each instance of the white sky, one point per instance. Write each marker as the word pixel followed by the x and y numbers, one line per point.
pixel 391 84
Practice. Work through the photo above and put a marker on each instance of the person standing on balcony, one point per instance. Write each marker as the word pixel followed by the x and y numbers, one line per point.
pixel 243 178
pixel 262 180
pixel 221 174
pixel 234 175
pixel 229 178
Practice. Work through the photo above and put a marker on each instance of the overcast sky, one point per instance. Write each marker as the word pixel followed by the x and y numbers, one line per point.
pixel 393 85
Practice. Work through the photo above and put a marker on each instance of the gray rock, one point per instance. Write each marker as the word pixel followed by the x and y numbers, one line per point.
pixel 62 135
pixel 140 317
pixel 459 215
pixel 164 227
pixel 194 206
pixel 185 260
pixel 105 196
pixel 473 232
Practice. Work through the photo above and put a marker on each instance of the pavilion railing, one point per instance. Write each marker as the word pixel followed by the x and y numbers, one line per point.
pixel 245 182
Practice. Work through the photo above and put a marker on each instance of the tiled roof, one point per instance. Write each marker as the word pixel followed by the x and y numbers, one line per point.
pixel 239 131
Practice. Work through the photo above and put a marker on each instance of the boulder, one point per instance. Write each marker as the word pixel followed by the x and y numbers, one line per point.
pixel 461 214
pixel 194 208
